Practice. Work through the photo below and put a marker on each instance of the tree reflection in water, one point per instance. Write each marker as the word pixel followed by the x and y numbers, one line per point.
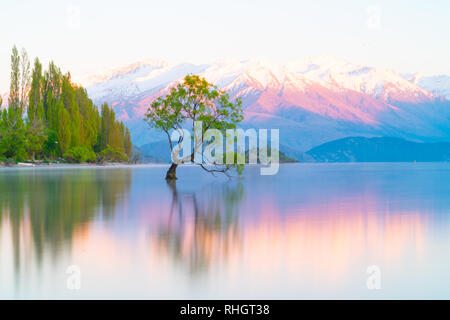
pixel 43 208
pixel 202 227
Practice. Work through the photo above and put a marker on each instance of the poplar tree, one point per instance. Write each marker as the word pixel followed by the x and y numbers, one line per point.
pixel 64 132
pixel 14 91
pixel 36 135
pixel 70 104
pixel 127 144
pixel 52 95
pixel 3 114
pixel 105 127
pixel 14 132
pixel 35 104
pixel 60 118
pixel 90 118
pixel 25 80
pixel 13 136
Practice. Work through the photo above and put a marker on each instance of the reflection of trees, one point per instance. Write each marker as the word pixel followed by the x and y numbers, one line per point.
pixel 202 227
pixel 47 206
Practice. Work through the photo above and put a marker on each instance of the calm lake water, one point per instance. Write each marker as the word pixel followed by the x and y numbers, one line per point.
pixel 311 231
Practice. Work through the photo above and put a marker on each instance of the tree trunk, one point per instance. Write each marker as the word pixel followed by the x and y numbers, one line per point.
pixel 172 172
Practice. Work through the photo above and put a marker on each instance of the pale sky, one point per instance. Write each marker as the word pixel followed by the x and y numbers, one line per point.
pixel 86 36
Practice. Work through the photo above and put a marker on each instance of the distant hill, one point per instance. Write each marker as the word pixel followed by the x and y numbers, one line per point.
pixel 144 157
pixel 282 158
pixel 351 149
pixel 386 149
pixel 160 152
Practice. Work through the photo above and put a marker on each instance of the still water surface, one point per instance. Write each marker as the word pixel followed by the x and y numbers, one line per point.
pixel 311 231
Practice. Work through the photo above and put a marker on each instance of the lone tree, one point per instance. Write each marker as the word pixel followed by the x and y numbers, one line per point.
pixel 193 100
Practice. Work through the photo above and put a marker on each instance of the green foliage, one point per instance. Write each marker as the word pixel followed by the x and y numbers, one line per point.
pixel 128 145
pixel 68 97
pixel 80 154
pixel 113 154
pixel 195 99
pixel 90 125
pixel 113 137
pixel 25 80
pixel 14 91
pixel 6 161
pixel 50 147
pixel 64 130
pixel 36 137
pixel 60 119
pixel 52 95
pixel 13 142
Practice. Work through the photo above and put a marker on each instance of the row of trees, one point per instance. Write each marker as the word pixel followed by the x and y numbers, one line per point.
pixel 49 117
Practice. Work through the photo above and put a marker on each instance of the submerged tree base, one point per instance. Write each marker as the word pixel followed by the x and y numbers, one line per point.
pixel 172 172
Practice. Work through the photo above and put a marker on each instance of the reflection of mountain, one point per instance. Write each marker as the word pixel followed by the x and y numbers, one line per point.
pixel 308 232
pixel 320 247
pixel 200 230
pixel 310 229
pixel 324 249
pixel 45 208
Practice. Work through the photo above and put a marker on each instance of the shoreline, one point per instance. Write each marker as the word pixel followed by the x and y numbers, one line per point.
pixel 155 164
pixel 65 165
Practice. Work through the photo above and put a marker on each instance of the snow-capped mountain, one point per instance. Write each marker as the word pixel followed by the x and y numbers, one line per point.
pixel 438 85
pixel 377 82
pixel 312 101
pixel 122 81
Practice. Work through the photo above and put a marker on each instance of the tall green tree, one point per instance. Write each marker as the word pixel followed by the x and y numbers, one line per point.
pixel 25 80
pixel 118 135
pixel 14 142
pixel 3 145
pixel 128 145
pixel 49 116
pixel 70 104
pixel 105 126
pixel 52 95
pixel 64 130
pixel 36 133
pixel 36 137
pixel 111 138
pixel 90 118
pixel 14 87
pixel 36 103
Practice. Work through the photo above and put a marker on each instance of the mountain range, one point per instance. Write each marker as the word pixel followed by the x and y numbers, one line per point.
pixel 385 149
pixel 312 101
